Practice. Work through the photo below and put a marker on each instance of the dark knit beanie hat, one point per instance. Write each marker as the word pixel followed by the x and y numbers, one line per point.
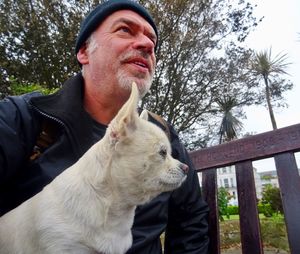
pixel 102 11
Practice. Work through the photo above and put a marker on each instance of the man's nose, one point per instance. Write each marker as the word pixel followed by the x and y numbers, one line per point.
pixel 145 44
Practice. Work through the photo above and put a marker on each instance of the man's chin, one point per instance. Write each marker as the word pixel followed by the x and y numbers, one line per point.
pixel 143 85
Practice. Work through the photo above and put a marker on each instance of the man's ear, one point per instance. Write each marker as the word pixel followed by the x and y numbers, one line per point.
pixel 82 55
pixel 125 122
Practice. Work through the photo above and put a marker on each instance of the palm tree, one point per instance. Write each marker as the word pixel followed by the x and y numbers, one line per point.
pixel 264 66
pixel 230 125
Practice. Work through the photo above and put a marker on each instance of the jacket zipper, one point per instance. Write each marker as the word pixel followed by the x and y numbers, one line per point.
pixel 47 115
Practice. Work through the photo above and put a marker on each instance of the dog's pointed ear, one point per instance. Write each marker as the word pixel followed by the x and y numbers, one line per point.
pixel 125 121
pixel 144 115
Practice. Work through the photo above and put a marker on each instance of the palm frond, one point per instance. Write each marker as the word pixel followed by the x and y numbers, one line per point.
pixel 264 64
pixel 230 125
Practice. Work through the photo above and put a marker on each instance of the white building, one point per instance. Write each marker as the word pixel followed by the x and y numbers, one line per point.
pixel 226 178
pixel 269 177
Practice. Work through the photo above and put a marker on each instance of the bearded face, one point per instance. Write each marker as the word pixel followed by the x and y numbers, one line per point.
pixel 121 51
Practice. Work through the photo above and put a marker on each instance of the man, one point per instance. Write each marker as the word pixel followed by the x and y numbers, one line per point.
pixel 115 46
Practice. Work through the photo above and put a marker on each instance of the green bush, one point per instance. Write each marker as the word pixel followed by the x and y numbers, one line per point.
pixel 271 195
pixel 223 200
pixel 233 210
pixel 17 88
pixel 265 209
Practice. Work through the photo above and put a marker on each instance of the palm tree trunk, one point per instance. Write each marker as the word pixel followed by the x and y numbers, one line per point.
pixel 268 97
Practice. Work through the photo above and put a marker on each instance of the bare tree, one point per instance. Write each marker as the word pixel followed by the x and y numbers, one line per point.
pixel 37 46
pixel 191 36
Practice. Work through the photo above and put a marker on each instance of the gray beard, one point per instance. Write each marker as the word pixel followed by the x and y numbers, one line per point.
pixel 126 82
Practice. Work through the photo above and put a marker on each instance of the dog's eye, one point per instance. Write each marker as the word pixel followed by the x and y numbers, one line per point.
pixel 163 152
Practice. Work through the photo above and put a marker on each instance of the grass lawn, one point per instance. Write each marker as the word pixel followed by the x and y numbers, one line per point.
pixel 273 232
pixel 237 217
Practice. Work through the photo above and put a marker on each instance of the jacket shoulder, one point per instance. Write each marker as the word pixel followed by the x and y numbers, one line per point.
pixel 19 127
pixel 24 98
pixel 161 122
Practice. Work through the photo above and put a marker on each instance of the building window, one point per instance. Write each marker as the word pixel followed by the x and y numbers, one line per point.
pixel 226 183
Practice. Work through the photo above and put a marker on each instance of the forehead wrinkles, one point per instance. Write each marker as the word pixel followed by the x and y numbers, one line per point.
pixel 135 21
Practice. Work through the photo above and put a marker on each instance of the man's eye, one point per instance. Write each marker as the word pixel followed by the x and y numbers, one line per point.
pixel 124 29
pixel 153 40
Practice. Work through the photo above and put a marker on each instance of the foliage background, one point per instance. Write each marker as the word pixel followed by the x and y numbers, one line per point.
pixel 200 60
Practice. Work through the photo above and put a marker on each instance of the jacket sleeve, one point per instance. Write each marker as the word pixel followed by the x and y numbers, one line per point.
pixel 16 135
pixel 187 229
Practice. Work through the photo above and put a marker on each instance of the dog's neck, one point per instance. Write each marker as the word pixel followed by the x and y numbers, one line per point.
pixel 102 192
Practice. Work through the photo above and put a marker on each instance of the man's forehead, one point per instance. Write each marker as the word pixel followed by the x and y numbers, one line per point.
pixel 109 9
pixel 129 17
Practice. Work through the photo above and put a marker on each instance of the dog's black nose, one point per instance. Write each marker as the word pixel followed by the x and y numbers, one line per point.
pixel 184 168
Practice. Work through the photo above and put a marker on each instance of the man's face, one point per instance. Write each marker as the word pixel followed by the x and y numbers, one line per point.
pixel 123 51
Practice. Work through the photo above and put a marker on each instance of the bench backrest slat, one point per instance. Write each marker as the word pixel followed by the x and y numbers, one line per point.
pixel 289 182
pixel 255 147
pixel 209 183
pixel 249 221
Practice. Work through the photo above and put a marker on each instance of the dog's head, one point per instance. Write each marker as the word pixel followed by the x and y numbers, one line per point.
pixel 141 161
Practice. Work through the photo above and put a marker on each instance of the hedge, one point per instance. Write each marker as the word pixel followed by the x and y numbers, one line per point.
pixel 264 209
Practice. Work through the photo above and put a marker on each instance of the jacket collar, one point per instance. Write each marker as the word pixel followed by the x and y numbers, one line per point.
pixel 66 106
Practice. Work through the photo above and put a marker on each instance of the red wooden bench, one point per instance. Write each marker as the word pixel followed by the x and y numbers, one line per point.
pixel 281 144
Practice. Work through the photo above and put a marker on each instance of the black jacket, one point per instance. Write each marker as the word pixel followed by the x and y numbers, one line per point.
pixel 182 214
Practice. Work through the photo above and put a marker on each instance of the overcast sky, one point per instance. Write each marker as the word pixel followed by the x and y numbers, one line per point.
pixel 280 29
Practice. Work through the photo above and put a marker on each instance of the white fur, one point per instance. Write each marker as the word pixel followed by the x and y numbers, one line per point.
pixel 89 208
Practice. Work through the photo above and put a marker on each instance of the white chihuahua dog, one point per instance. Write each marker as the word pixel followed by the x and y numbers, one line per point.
pixel 89 208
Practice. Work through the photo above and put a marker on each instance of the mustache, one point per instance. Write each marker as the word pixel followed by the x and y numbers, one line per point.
pixel 133 54
pixel 138 54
